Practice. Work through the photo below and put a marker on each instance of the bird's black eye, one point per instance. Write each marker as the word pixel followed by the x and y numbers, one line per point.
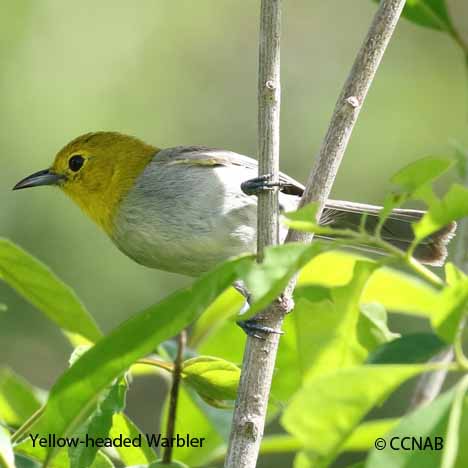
pixel 76 162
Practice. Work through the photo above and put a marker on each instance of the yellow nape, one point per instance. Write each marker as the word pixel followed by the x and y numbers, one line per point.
pixel 99 169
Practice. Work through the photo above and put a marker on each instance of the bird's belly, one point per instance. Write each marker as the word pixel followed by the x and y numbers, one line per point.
pixel 171 223
pixel 186 229
pixel 190 256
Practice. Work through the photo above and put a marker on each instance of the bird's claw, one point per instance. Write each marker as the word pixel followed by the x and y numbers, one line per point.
pixel 260 184
pixel 253 328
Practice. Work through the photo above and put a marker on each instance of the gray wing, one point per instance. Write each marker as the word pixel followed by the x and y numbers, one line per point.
pixel 204 156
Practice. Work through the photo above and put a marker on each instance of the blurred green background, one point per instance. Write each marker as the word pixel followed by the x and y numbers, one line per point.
pixel 184 72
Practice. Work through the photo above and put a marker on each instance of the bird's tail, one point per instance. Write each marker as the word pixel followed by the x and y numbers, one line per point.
pixel 396 230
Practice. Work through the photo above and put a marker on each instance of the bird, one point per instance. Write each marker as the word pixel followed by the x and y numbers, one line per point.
pixel 185 209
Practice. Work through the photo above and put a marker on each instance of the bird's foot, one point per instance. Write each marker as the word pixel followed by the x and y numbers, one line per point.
pixel 260 184
pixel 255 329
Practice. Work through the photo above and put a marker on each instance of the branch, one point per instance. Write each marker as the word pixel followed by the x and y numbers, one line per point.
pixel 348 107
pixel 176 377
pixel 260 355
pixel 430 383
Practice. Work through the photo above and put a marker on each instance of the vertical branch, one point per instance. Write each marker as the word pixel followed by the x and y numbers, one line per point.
pixel 429 384
pixel 269 95
pixel 260 355
pixel 174 395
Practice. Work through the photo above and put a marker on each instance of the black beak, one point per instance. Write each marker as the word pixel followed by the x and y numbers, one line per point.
pixel 44 177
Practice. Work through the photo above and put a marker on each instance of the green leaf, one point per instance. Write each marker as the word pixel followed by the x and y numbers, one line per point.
pixel 416 348
pixel 213 378
pixel 451 453
pixel 411 179
pixel 266 281
pixel 452 207
pixel 363 438
pixel 415 181
pixel 372 326
pixel 327 328
pixel 429 13
pixel 38 285
pixel 453 275
pixel 451 308
pixel 173 464
pixel 307 213
pixel 61 460
pixel 98 424
pixel 74 396
pixel 441 419
pixel 122 426
pixel 7 458
pixel 417 174
pixel 326 410
pixel 228 304
pixel 461 157
pixel 395 290
pixel 18 399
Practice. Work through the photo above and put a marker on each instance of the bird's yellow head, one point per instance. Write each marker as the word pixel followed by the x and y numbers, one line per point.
pixel 96 170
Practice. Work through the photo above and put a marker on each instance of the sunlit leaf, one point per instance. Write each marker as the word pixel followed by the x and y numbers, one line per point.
pixel 18 399
pixel 61 460
pixel 7 458
pixel 325 411
pixel 267 280
pixel 226 305
pixel 74 395
pixel 418 173
pixel 327 324
pixel 429 13
pixel 372 326
pixel 395 290
pixel 98 424
pixel 451 308
pixel 213 378
pixel 123 427
pixel 363 437
pixel 38 285
pixel 434 423
pixel 452 207
pixel 173 464
pixel 453 275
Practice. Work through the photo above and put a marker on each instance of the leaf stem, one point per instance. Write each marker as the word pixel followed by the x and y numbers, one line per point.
pixel 27 424
pixel 174 395
pixel 157 363
pixel 460 357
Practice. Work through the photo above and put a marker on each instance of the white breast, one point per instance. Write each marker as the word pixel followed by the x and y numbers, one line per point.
pixel 186 219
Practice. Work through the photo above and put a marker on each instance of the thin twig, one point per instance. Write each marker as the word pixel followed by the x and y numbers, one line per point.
pixel 157 363
pixel 176 377
pixel 260 355
pixel 430 383
pixel 348 107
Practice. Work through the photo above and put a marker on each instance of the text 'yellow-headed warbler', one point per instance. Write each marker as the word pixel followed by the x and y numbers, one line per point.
pixel 183 210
